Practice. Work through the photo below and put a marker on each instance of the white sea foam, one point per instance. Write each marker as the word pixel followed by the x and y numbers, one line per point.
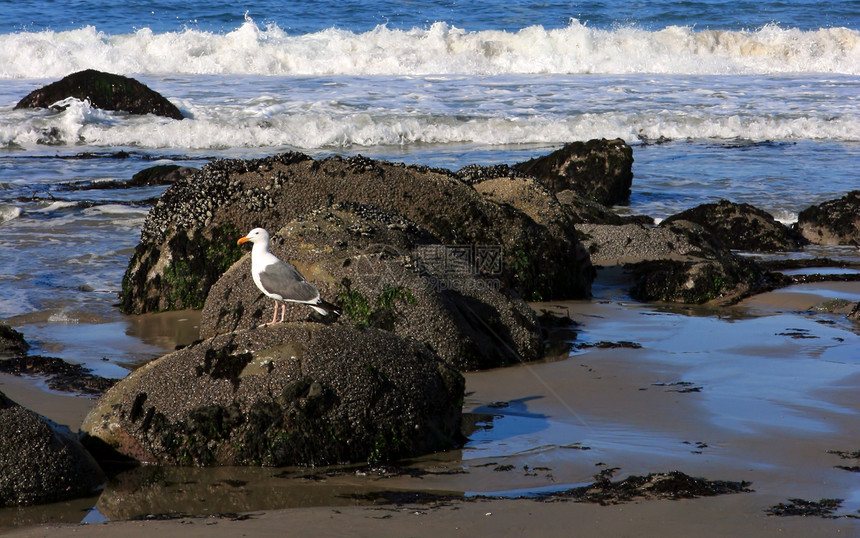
pixel 246 128
pixel 115 209
pixel 439 49
pixel 9 212
pixel 57 206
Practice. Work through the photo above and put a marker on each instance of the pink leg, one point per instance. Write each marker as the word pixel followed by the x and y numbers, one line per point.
pixel 283 311
pixel 275 316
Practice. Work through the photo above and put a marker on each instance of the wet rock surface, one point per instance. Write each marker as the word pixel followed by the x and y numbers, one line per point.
pixel 599 170
pixel 835 222
pixel 189 237
pixel 61 376
pixel 106 91
pixel 671 485
pixel 741 227
pixel 292 394
pixel 12 343
pixel 41 462
pixel 584 210
pixel 162 174
pixel 678 261
pixel 389 273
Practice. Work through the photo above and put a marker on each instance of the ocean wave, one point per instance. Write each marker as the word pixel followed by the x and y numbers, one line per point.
pixel 248 128
pixel 438 49
pixel 58 206
pixel 9 212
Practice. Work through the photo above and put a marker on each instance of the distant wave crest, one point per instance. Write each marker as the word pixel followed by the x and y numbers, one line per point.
pixel 439 49
pixel 8 212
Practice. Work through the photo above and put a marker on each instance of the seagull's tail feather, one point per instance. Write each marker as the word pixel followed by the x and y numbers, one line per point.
pixel 325 308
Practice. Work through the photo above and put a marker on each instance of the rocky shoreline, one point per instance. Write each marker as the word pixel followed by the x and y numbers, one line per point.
pixel 432 268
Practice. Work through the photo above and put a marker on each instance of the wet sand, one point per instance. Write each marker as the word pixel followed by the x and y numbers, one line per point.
pixel 763 392
pixel 721 516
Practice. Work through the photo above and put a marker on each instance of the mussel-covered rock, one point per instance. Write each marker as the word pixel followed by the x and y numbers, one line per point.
pixel 290 394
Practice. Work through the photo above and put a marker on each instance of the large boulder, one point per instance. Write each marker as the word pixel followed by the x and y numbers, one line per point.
pixel 291 394
pixel 189 237
pixel 677 262
pixel 106 91
pixel 835 222
pixel 741 226
pixel 389 273
pixel 41 462
pixel 599 170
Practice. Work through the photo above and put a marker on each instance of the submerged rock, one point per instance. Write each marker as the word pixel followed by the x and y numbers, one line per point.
pixel 41 462
pixel 741 227
pixel 292 394
pixel 189 238
pixel 162 174
pixel 61 376
pixel 835 222
pixel 106 91
pixel 598 170
pixel 389 273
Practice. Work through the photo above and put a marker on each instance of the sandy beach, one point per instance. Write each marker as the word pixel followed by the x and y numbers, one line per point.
pixel 723 395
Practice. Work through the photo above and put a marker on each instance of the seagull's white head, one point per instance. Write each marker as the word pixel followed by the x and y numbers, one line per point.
pixel 256 236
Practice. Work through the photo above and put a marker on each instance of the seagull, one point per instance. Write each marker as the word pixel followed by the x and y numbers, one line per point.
pixel 279 280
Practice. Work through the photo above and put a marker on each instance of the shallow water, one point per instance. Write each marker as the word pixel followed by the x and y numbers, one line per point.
pixel 755 392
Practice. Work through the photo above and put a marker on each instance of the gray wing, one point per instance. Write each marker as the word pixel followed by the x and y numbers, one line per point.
pixel 283 279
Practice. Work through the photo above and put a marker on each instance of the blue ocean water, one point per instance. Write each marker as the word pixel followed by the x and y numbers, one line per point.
pixel 757 103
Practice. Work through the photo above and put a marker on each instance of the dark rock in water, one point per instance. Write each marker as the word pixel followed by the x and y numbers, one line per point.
pixel 671 485
pixel 12 343
pixel 291 394
pixel 741 227
pixel 62 376
pixel 41 462
pixel 189 237
pixel 678 262
pixel 105 91
pixel 718 274
pixel 163 174
pixel 835 222
pixel 599 170
pixel 389 273
pixel 726 280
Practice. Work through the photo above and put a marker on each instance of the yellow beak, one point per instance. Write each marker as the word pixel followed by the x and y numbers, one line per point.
pixel 242 240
